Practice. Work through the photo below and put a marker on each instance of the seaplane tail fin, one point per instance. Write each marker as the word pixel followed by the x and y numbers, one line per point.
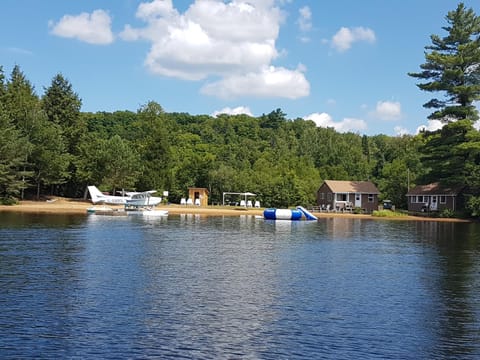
pixel 95 194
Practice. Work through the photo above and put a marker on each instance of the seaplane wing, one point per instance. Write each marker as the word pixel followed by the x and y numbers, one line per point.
pixel 130 194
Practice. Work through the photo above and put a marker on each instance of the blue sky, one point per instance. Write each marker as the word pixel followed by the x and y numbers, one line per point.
pixel 340 63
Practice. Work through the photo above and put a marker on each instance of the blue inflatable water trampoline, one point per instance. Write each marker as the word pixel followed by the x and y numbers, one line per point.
pixel 288 214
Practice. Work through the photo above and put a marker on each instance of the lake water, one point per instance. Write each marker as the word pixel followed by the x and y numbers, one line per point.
pixel 97 287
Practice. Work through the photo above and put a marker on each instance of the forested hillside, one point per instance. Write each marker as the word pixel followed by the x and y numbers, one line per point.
pixel 49 147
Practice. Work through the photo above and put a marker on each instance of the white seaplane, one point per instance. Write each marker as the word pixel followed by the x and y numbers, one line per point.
pixel 138 199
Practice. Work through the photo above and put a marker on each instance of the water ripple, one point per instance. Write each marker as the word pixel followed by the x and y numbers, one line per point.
pixel 238 288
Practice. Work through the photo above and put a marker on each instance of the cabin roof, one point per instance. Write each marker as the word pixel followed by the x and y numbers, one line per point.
pixel 365 187
pixel 434 189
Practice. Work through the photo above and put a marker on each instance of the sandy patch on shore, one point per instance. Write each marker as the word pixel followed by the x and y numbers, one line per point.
pixel 79 207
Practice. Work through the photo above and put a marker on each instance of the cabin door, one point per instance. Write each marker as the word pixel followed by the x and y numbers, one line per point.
pixel 358 200
pixel 434 203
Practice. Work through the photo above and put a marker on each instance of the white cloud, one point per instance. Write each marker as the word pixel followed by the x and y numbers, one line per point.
pixel 233 40
pixel 400 131
pixel 235 111
pixel 476 125
pixel 388 110
pixel 154 9
pixel 432 125
pixel 346 125
pixel 345 37
pixel 210 38
pixel 305 19
pixel 94 28
pixel 269 82
pixel 20 51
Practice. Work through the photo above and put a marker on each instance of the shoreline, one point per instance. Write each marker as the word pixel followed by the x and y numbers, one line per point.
pixel 62 206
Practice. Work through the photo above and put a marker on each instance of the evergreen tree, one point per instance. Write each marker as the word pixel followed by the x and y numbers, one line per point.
pixel 453 67
pixel 21 102
pixel 22 107
pixel 62 107
pixel 13 152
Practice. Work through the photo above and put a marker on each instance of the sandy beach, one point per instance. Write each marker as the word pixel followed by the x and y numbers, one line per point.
pixel 79 207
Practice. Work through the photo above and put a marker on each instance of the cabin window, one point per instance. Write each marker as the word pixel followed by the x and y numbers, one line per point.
pixel 322 196
pixel 370 197
pixel 443 199
pixel 420 199
pixel 341 197
pixel 329 196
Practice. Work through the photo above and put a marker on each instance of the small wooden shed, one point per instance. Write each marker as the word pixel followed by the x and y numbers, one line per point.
pixel 199 196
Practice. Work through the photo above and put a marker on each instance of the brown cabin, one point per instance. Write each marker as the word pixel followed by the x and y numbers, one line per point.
pixel 435 197
pixel 336 195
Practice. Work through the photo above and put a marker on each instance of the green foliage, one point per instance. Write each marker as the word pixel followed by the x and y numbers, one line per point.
pixel 62 107
pixel 13 154
pixel 473 205
pixel 8 201
pixel 49 156
pixel 387 213
pixel 447 213
pixel 451 67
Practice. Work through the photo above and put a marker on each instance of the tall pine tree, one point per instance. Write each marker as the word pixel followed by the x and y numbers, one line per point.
pixel 452 67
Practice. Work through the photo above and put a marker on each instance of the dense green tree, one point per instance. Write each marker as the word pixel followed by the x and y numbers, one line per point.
pixel 49 157
pixel 393 183
pixel 62 107
pixel 22 107
pixel 13 152
pixel 122 165
pixel 21 102
pixel 452 67
pixel 443 153
pixel 273 120
pixel 152 141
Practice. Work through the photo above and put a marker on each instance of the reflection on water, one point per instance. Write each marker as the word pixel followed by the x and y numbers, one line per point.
pixel 237 287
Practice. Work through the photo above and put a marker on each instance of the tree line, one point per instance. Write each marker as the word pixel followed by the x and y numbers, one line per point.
pixel 48 146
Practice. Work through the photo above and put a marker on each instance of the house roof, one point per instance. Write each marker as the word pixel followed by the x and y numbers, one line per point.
pixel 366 187
pixel 434 189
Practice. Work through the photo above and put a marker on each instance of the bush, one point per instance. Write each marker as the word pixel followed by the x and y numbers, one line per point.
pixel 447 213
pixel 8 201
pixel 386 213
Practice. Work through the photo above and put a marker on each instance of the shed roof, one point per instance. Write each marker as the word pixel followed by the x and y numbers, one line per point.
pixel 434 189
pixel 338 186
